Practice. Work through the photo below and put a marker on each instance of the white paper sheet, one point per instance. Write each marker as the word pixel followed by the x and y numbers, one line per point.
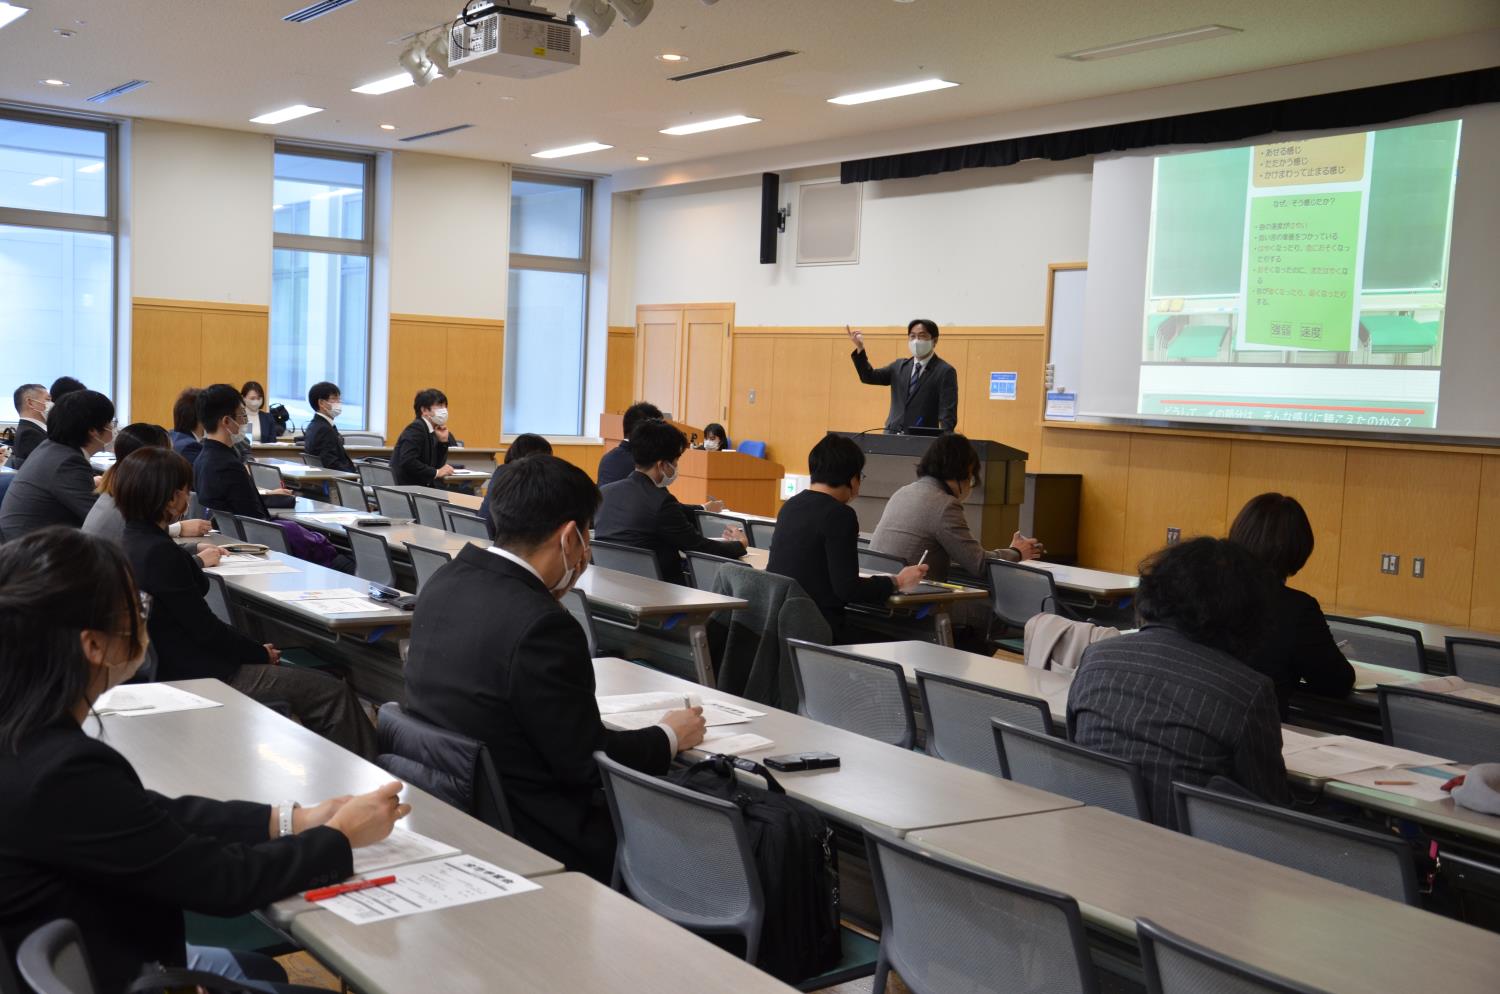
pixel 398 849
pixel 713 716
pixel 334 602
pixel 1338 755
pixel 138 699
pixel 734 745
pixel 240 564
pixel 1407 783
pixel 1294 741
pixel 656 701
pixel 432 886
pixel 1369 677
pixel 1473 693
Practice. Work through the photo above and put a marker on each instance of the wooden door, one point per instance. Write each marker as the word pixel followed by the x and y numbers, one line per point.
pixel 657 351
pixel 682 358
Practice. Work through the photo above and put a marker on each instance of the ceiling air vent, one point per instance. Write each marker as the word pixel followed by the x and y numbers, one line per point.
pixel 434 134
pixel 313 11
pixel 715 70
pixel 118 91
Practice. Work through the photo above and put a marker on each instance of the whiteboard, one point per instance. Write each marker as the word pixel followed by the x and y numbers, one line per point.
pixel 1065 332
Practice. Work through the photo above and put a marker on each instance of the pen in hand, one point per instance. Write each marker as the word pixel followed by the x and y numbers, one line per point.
pixel 924 557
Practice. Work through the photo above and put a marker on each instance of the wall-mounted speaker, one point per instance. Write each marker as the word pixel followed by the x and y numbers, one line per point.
pixel 770 216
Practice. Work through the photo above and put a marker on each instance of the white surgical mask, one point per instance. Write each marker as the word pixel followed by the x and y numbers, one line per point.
pixel 667 479
pixel 253 405
pixel 46 410
pixel 440 416
pixel 571 573
pixel 711 444
pixel 238 435
pixel 335 409
pixel 920 347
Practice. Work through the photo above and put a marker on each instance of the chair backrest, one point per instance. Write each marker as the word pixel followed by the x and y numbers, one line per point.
pixel 446 764
pixel 1019 593
pixel 751 448
pixel 852 692
pixel 351 495
pixel 372 556
pixel 1454 728
pixel 959 714
pixel 1476 660
pixel 266 476
pixel 267 533
pixel 1173 965
pixel 880 562
pixel 760 533
pixel 218 598
pixel 53 961
pixel 312 461
pixel 374 474
pixel 363 438
pixel 1379 864
pixel 712 525
pixel 1378 643
pixel 703 568
pixel 947 926
pixel 577 603
pixel 462 522
pixel 626 559
pixel 429 509
pixel 1064 768
pixel 426 562
pixel 195 507
pixel 684 855
pixel 227 523
pixel 394 503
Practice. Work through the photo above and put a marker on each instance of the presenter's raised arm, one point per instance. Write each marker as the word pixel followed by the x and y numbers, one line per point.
pixel 879 377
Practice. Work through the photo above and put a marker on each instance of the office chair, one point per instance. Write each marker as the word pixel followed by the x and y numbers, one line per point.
pixel 429 510
pixel 452 767
pixel 52 960
pixel 372 556
pixel 1173 965
pixel 374 474
pixel 1378 643
pixel 712 525
pixel 1455 728
pixel 369 438
pixel 959 713
pixel 266 476
pixel 880 562
pixel 626 559
pixel 761 533
pixel 853 692
pixel 751 448
pixel 1018 593
pixel 263 532
pixel 351 495
pixel 703 568
pixel 577 603
pixel 1064 768
pixel 228 524
pixel 311 461
pixel 394 503
pixel 426 562
pixel 462 522
pixel 1475 660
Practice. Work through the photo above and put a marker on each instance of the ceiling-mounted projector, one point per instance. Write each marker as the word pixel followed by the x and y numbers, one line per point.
pixel 516 40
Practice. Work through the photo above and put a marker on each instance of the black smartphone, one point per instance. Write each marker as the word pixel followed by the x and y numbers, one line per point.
pixel 790 763
pixel 820 761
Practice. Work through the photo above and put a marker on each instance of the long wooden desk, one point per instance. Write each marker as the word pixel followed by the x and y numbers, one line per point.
pixel 639 616
pixel 479 459
pixel 471 502
pixel 1095 583
pixel 259 587
pixel 1298 926
pixel 876 783
pixel 299 472
pixel 1003 674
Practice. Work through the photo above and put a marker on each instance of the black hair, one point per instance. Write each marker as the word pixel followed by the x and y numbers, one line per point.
pixel 430 397
pixel 536 496
pixel 653 441
pixel 715 430
pixel 185 411
pixel 322 391
pixel 950 457
pixel 527 445
pixel 77 414
pixel 1276 531
pixel 1211 590
pixel 217 402
pixel 641 410
pixel 64 385
pixel 146 482
pixel 928 323
pixel 835 461
pixel 19 397
pixel 127 440
pixel 54 584
pixel 253 385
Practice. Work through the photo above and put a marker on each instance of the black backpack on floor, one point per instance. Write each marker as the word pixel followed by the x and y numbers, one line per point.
pixel 795 859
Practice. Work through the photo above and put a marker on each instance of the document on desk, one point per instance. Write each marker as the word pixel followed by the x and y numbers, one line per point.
pixel 139 699
pixel 239 564
pixel 1370 677
pixel 626 712
pixel 398 849
pixel 732 744
pixel 1421 785
pixel 344 518
pixel 331 603
pixel 432 886
pixel 1336 755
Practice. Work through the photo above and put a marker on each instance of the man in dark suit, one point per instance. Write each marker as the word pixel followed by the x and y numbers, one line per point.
pixel 421 454
pixel 32 404
pixel 56 486
pixel 495 657
pixel 640 511
pixel 321 438
pixel 924 388
pixel 221 481
pixel 617 463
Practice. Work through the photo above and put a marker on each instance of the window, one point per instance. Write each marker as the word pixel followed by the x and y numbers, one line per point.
pixel 320 280
pixel 57 252
pixel 546 305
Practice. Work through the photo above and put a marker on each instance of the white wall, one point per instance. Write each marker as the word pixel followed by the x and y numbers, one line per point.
pixel 449 236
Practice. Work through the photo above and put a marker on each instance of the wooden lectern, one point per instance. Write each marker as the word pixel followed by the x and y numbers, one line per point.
pixel 744 483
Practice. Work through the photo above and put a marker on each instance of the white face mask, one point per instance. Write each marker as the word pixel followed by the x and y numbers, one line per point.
pixel 920 347
pixel 46 410
pixel 711 444
pixel 237 433
pixel 253 405
pixel 335 409
pixel 572 573
pixel 440 416
pixel 667 479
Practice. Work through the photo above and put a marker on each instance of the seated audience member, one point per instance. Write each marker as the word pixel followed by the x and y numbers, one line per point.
pixel 222 482
pixel 33 402
pixel 262 426
pixel 187 432
pixel 62 386
pixel 817 536
pixel 420 458
pixel 640 511
pixel 56 486
pixel 1176 697
pixel 81 838
pixel 524 445
pixel 617 463
pixel 322 438
pixel 714 438
pixel 1296 648
pixel 104 518
pixel 151 490
pixel 494 656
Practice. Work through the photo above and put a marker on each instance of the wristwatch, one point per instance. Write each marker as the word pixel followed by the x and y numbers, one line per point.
pixel 285 817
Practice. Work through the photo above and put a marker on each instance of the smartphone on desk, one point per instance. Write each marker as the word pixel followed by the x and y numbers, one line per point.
pixel 796 762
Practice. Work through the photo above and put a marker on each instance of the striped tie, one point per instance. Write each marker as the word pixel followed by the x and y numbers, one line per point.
pixel 916 377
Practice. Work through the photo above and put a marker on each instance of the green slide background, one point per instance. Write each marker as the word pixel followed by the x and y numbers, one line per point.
pixel 1200 223
pixel 1411 183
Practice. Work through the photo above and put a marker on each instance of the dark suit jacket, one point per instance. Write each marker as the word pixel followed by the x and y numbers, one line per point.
pixel 186 445
pixel 934 405
pixel 265 427
pixel 817 544
pixel 1297 646
pixel 418 455
pixel 323 440
pixel 190 641
pixel 28 437
pixel 616 464
pixel 55 487
pixel 82 839
pixel 489 494
pixel 223 483
pixel 637 512
pixel 495 657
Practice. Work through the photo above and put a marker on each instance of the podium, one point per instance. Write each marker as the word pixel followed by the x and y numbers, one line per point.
pixel 744 483
pixel 993 510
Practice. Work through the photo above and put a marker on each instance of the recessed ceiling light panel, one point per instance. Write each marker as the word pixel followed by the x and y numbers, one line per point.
pixel 566 150
pixel 1151 41
pixel 389 84
pixel 286 114
pixel 887 92
pixel 54 82
pixel 733 121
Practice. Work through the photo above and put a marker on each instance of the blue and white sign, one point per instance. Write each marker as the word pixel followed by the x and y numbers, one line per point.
pixel 1002 386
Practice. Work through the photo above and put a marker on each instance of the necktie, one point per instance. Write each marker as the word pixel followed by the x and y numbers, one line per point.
pixel 916 377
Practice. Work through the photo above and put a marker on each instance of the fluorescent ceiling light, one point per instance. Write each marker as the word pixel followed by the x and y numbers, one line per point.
pixel 92 167
pixel 714 125
pixel 387 127
pixel 400 81
pixel 558 153
pixel 286 114
pixel 54 82
pixel 46 181
pixel 887 92
pixel 643 158
pixel 1153 41
pixel 9 12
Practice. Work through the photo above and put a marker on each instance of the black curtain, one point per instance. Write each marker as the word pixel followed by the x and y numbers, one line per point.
pixel 1347 109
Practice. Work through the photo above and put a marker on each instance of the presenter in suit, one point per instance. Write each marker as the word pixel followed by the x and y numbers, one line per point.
pixel 924 388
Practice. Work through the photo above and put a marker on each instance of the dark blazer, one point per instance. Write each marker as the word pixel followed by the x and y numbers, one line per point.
pixel 1297 648
pixel 418 455
pixel 323 440
pixel 495 657
pixel 223 483
pixel 489 495
pixel 639 513
pixel 190 641
pixel 934 405
pixel 55 487
pixel 28 437
pixel 1183 711
pixel 616 464
pixel 817 544
pixel 265 427
pixel 185 445
pixel 82 839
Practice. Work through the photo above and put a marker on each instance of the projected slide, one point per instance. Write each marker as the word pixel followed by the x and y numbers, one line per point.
pixel 1301 281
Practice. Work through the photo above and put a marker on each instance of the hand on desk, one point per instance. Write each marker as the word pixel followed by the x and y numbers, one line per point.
pixel 907 579
pixel 368 818
pixel 734 533
pixel 443 471
pixel 209 555
pixel 857 337
pixel 687 724
pixel 713 506
pixel 1027 548
pixel 273 654
pixel 194 528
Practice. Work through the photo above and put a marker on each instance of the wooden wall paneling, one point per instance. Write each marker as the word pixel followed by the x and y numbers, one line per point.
pixel 1013 422
pixel 476 370
pixel 1314 475
pixel 619 370
pixel 166 355
pixel 705 364
pixel 585 457
pixel 1103 458
pixel 800 405
pixel 751 387
pixel 418 359
pixel 1484 608
pixel 854 406
pixel 1412 504
pixel 1174 483
pixel 236 347
pixel 658 335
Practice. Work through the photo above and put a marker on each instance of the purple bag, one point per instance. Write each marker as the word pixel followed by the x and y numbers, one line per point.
pixel 307 544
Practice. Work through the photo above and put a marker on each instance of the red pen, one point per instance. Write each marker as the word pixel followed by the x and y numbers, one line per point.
pixel 324 893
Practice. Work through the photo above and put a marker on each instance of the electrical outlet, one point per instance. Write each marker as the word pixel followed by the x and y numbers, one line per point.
pixel 752 395
pixel 1174 535
pixel 1419 567
pixel 1390 563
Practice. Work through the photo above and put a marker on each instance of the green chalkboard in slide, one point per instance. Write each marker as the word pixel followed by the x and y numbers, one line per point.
pixel 1200 223
pixel 1411 185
